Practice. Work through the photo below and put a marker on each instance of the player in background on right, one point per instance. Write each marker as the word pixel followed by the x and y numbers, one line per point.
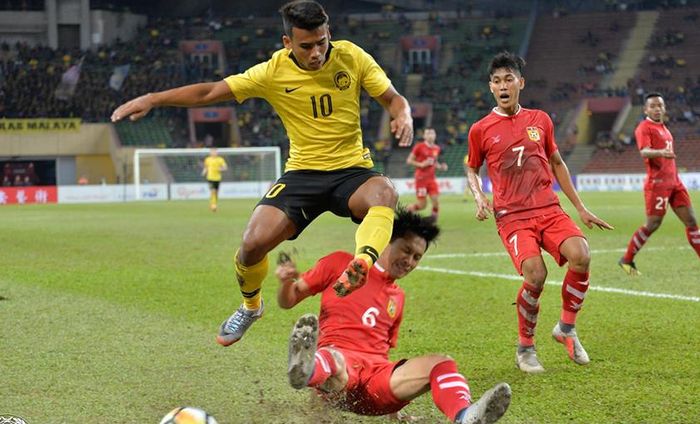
pixel 424 157
pixel 522 158
pixel 663 187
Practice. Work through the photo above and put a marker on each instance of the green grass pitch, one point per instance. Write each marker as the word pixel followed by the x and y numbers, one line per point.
pixel 109 313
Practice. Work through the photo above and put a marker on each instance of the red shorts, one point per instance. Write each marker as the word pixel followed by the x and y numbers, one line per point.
pixel 368 391
pixel 523 238
pixel 658 198
pixel 426 188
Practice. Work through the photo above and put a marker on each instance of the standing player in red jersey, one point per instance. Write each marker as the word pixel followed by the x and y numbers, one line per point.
pixel 424 157
pixel 663 187
pixel 349 364
pixel 522 158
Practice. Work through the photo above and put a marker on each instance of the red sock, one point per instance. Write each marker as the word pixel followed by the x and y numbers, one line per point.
pixel 324 367
pixel 693 238
pixel 528 306
pixel 573 291
pixel 636 242
pixel 449 388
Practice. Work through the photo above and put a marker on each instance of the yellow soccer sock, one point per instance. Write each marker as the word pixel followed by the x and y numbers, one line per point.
pixel 250 280
pixel 213 198
pixel 374 233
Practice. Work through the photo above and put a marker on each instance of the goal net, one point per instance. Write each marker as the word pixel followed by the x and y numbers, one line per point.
pixel 251 171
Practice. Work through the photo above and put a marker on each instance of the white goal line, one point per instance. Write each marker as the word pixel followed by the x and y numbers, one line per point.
pixel 556 283
pixel 505 254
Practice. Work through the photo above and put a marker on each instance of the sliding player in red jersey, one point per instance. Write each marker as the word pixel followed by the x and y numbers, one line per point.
pixel 424 157
pixel 522 158
pixel 344 355
pixel 663 187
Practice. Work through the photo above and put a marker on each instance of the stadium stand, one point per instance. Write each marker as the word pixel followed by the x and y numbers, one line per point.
pixel 456 90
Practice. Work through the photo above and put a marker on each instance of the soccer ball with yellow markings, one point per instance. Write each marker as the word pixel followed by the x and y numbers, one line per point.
pixel 188 415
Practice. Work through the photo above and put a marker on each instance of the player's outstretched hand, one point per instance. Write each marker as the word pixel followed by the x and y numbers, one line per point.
pixel 286 268
pixel 402 128
pixel 589 219
pixel 134 109
pixel 484 208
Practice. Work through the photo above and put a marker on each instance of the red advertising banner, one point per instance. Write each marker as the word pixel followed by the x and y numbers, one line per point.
pixel 30 194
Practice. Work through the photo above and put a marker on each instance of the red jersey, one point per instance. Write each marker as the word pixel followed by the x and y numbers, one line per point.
pixel 516 150
pixel 367 320
pixel 656 136
pixel 421 152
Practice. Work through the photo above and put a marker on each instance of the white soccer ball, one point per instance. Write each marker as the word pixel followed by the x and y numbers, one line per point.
pixel 188 415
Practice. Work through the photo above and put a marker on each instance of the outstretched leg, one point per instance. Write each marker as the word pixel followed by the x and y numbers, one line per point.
pixel 450 390
pixel 687 216
pixel 528 308
pixel 267 228
pixel 374 201
pixel 639 238
pixel 308 367
pixel 573 292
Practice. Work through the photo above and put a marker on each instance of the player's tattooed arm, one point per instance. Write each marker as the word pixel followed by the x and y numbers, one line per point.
pixel 401 121
pixel 561 173
pixel 187 96
pixel 649 153
pixel 484 208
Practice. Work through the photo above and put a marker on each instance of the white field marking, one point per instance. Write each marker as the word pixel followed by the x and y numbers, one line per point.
pixel 557 283
pixel 488 254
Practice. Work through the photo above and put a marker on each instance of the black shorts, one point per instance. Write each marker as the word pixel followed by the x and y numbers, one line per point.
pixel 304 195
pixel 214 185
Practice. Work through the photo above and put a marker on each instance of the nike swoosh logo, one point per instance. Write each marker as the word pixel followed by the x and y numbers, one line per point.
pixel 289 90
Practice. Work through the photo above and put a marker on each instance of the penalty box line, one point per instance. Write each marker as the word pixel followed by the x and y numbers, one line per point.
pixel 556 283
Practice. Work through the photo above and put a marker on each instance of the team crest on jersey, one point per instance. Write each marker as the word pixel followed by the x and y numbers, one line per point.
pixel 342 80
pixel 533 133
pixel 391 307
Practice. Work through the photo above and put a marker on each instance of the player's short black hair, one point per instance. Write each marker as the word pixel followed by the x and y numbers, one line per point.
pixel 507 60
pixel 650 95
pixel 303 14
pixel 409 222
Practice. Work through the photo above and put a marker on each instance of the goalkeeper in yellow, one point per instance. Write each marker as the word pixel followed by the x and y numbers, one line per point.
pixel 314 86
pixel 214 165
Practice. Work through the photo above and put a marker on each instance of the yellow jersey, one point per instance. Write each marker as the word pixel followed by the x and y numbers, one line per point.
pixel 214 165
pixel 320 109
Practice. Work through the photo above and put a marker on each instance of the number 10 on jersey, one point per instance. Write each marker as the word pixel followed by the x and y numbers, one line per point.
pixel 323 104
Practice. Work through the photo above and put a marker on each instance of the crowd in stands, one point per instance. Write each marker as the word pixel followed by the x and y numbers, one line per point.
pixel 29 75
pixel 22 5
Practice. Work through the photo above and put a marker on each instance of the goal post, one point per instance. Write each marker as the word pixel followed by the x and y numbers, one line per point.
pixel 257 164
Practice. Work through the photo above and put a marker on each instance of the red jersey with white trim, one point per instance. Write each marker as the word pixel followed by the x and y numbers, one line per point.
pixel 421 152
pixel 368 319
pixel 516 149
pixel 657 136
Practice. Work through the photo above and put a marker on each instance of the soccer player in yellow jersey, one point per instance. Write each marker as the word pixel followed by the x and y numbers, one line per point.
pixel 214 165
pixel 314 86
